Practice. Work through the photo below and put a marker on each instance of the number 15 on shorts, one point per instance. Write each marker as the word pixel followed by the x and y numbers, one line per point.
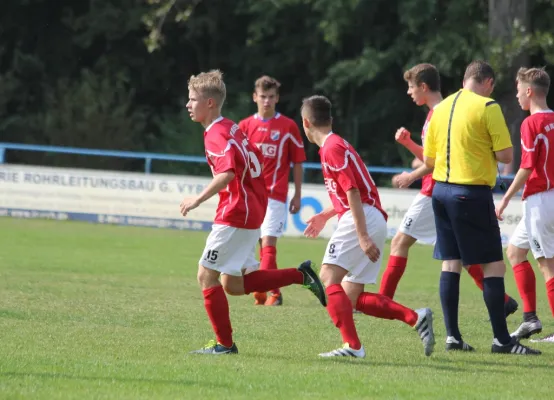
pixel 211 256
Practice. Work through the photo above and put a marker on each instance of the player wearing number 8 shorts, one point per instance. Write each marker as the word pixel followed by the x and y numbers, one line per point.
pixel 419 222
pixel 229 251
pixel 535 231
pixel 353 255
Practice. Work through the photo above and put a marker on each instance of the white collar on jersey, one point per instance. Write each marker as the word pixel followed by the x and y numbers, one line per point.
pixel 276 116
pixel 326 137
pixel 548 111
pixel 215 121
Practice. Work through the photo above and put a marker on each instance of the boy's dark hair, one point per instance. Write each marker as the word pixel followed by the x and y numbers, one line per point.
pixel 424 73
pixel 318 109
pixel 267 83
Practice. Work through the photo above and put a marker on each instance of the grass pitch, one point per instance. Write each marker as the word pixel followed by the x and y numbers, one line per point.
pixel 105 312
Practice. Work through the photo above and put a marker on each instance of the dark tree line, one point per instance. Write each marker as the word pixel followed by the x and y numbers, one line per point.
pixel 111 74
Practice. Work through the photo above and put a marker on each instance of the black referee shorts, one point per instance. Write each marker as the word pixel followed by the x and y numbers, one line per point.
pixel 467 228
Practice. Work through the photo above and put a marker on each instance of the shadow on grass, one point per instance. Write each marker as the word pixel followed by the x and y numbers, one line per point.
pixel 505 360
pixel 432 363
pixel 112 379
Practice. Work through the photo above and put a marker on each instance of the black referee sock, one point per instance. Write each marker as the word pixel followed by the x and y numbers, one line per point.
pixel 450 297
pixel 493 293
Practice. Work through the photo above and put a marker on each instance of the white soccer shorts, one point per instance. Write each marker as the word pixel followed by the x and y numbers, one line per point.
pixel 344 248
pixel 274 220
pixel 231 250
pixel 419 221
pixel 519 238
pixel 535 231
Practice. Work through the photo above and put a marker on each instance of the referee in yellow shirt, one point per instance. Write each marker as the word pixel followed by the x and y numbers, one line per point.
pixel 467 136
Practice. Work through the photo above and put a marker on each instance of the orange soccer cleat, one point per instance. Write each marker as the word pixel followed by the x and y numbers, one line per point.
pixel 260 298
pixel 276 299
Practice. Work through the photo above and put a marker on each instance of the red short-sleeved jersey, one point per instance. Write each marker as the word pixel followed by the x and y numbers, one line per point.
pixel 537 151
pixel 281 144
pixel 343 169
pixel 427 182
pixel 243 203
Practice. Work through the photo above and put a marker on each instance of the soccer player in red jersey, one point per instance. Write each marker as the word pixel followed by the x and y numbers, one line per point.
pixel 229 253
pixel 353 255
pixel 419 222
pixel 535 231
pixel 279 140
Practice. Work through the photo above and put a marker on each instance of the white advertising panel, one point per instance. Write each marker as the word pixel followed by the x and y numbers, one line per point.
pixel 153 200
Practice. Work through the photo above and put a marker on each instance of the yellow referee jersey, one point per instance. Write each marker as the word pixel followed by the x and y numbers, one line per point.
pixel 464 132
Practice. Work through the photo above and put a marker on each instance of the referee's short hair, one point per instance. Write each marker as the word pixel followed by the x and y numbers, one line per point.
pixel 479 71
pixel 318 110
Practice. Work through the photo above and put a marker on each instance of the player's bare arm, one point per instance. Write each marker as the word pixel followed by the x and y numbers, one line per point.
pixel 429 162
pixel 356 207
pixel 403 136
pixel 405 179
pixel 297 174
pixel 416 163
pixel 317 222
pixel 218 183
pixel 518 183
pixel 504 156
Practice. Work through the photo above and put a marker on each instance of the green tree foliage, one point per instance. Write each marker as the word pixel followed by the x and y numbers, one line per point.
pixel 113 73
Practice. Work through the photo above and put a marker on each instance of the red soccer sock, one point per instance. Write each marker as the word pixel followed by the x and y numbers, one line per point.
pixel 476 273
pixel 268 258
pixel 550 294
pixel 217 308
pixel 263 281
pixel 395 269
pixel 381 306
pixel 269 261
pixel 526 285
pixel 339 308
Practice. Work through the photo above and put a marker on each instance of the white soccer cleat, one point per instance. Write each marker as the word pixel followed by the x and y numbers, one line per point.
pixel 546 339
pixel 345 351
pixel 526 329
pixel 424 328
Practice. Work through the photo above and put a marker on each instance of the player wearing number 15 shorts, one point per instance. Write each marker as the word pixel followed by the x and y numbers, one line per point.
pixel 353 256
pixel 238 179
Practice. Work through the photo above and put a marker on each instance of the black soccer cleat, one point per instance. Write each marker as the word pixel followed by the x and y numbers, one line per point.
pixel 312 282
pixel 510 307
pixel 514 347
pixel 457 345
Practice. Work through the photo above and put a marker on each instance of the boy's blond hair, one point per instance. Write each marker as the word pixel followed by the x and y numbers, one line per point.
pixel 209 85
pixel 536 77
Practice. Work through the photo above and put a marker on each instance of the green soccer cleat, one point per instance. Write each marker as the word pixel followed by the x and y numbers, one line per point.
pixel 215 348
pixel 312 282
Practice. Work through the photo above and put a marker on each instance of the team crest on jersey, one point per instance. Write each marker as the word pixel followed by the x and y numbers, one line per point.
pixel 274 135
